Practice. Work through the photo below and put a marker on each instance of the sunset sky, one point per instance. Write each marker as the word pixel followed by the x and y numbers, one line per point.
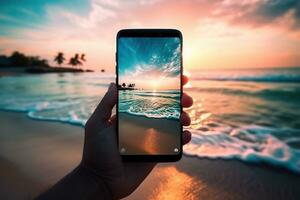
pixel 150 63
pixel 217 34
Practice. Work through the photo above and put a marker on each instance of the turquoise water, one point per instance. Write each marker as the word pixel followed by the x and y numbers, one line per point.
pixel 69 98
pixel 250 115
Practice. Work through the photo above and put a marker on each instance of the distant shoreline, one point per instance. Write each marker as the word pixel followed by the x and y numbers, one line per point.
pixel 10 71
pixel 18 62
pixel 40 70
pixel 126 88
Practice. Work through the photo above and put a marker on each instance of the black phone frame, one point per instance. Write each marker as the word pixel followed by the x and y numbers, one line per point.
pixel 150 33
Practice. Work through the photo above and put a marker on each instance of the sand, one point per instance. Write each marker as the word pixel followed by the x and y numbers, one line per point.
pixel 148 136
pixel 35 154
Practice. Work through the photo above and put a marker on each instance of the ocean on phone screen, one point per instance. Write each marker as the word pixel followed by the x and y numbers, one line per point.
pixel 250 115
pixel 151 104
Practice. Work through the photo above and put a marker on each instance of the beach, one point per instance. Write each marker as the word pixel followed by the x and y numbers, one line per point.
pixel 148 135
pixel 35 154
pixel 240 106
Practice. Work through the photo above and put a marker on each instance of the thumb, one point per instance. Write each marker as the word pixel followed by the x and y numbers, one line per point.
pixel 103 111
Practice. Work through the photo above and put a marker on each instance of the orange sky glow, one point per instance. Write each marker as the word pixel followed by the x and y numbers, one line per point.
pixel 217 34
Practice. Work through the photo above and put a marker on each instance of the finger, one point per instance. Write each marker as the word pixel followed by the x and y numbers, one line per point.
pixel 185 79
pixel 186 137
pixel 187 101
pixel 185 119
pixel 103 111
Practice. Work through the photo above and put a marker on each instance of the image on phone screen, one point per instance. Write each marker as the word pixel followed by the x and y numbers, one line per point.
pixel 149 92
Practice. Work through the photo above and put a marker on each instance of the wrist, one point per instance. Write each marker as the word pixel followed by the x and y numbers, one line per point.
pixel 90 176
pixel 79 184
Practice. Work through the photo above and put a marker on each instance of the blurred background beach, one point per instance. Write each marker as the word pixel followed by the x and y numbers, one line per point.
pixel 243 62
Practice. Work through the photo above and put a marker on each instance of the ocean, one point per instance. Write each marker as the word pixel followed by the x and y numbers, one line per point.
pixel 152 104
pixel 252 115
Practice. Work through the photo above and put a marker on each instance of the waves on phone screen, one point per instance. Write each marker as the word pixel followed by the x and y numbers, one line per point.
pixel 152 104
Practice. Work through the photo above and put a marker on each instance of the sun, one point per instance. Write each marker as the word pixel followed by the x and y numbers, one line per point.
pixel 154 84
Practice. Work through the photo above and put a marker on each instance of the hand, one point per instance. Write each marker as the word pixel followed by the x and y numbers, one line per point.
pixel 101 155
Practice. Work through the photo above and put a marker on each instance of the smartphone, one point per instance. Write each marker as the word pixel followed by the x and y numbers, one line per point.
pixel 149 81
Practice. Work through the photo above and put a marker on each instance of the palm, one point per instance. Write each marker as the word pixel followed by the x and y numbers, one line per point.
pixel 122 178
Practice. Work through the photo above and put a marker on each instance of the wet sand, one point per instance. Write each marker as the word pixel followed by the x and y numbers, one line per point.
pixel 36 154
pixel 148 136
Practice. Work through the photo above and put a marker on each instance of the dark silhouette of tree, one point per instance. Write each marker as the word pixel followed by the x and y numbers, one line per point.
pixel 4 61
pixel 123 84
pixel 131 85
pixel 35 61
pixel 18 59
pixel 59 58
pixel 77 59
pixel 82 57
pixel 74 61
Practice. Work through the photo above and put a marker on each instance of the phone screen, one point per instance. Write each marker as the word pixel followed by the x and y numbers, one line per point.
pixel 149 93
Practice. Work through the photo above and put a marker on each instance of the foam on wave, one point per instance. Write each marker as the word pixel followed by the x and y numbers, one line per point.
pixel 245 146
pixel 267 76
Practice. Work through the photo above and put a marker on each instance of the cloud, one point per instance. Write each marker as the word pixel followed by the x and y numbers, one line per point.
pixel 261 13
pixel 108 16
pixel 273 9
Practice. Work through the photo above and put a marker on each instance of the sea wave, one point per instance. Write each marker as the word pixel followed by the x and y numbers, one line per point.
pixel 267 93
pixel 175 115
pixel 43 111
pixel 248 143
pixel 274 76
pixel 162 104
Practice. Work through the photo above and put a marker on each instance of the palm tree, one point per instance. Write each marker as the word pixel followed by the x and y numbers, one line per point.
pixel 82 57
pixel 75 60
pixel 72 61
pixel 59 58
pixel 131 85
pixel 78 59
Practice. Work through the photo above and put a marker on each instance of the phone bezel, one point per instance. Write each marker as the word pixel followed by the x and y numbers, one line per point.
pixel 150 33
